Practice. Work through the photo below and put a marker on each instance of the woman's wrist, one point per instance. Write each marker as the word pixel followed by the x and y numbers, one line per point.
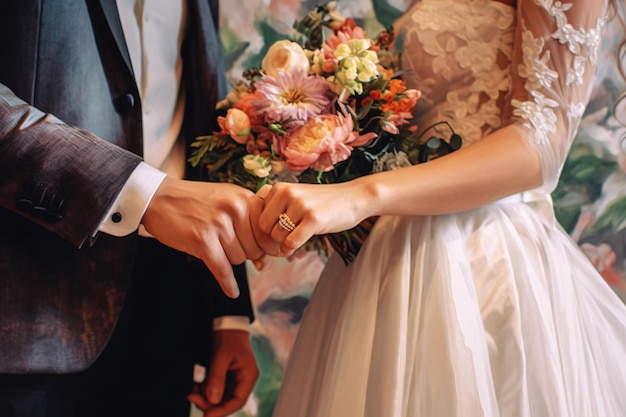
pixel 368 196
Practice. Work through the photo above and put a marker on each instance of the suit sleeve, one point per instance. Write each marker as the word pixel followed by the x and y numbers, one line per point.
pixel 58 176
pixel 222 305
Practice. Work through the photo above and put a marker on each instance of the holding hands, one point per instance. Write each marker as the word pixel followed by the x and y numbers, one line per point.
pixel 215 222
pixel 293 213
pixel 224 224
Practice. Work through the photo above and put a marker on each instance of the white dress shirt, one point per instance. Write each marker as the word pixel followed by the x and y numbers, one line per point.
pixel 154 32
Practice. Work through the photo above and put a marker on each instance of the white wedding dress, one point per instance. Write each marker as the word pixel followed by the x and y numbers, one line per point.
pixel 489 312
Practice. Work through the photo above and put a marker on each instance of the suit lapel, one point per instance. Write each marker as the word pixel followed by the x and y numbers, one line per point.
pixel 204 60
pixel 109 8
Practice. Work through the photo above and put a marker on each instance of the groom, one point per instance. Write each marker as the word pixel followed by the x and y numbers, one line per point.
pixel 106 254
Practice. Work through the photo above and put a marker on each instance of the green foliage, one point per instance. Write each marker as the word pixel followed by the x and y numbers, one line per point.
pixel 270 375
pixel 386 14
pixel 613 219
pixel 223 160
pixel 270 35
pixel 580 184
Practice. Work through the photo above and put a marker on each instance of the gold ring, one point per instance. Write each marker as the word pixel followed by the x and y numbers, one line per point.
pixel 285 222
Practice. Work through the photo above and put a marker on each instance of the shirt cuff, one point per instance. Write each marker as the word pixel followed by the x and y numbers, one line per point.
pixel 232 323
pixel 130 205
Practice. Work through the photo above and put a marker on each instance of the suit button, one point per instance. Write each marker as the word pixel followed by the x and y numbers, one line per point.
pixel 116 217
pixel 125 103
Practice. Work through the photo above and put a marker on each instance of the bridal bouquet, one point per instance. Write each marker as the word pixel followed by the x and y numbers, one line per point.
pixel 327 105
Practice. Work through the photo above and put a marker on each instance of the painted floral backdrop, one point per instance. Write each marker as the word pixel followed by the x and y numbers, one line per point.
pixel 590 200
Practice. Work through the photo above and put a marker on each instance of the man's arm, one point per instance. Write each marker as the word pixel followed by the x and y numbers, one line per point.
pixel 66 180
pixel 60 177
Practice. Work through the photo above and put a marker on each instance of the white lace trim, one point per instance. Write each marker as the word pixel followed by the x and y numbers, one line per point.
pixel 538 114
pixel 535 68
pixel 584 45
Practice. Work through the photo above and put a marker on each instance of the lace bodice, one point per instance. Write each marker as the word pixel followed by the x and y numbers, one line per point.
pixel 483 64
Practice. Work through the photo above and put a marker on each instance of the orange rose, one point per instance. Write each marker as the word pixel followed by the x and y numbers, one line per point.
pixel 236 124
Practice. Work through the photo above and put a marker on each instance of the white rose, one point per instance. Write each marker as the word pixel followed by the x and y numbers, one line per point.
pixel 285 55
pixel 391 161
pixel 258 165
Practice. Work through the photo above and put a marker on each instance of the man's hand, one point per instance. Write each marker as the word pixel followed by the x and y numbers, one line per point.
pixel 211 221
pixel 231 377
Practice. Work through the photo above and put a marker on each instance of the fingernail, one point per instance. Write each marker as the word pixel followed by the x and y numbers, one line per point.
pixel 214 397
pixel 259 264
pixel 264 191
pixel 233 289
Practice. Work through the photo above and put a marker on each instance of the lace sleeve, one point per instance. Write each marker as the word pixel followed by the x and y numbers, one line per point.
pixel 556 53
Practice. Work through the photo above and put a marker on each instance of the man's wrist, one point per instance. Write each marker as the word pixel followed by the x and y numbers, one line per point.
pixel 232 323
pixel 130 205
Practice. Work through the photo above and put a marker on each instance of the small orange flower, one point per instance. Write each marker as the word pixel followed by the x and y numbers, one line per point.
pixel 236 124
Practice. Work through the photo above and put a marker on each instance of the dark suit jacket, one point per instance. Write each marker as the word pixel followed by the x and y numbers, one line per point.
pixel 59 303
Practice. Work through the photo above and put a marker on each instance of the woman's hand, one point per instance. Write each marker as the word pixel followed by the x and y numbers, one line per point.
pixel 313 209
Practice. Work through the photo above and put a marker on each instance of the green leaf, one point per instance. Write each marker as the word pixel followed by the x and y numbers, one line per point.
pixel 270 375
pixel 261 184
pixel 385 12
pixel 567 216
pixel 364 110
pixel 613 219
pixel 198 154
pixel 587 169
pixel 270 35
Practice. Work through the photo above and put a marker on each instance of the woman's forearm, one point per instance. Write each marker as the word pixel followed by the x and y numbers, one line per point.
pixel 500 165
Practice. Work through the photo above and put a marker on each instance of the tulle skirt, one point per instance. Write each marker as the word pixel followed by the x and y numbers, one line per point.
pixel 490 312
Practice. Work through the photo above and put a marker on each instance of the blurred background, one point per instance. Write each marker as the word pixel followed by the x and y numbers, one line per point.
pixel 590 201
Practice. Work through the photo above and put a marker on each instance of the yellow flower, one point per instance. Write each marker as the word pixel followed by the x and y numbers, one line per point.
pixel 357 64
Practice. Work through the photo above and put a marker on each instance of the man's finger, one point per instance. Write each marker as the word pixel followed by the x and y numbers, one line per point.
pixel 264 191
pixel 264 240
pixel 245 230
pixel 215 259
pixel 246 379
pixel 227 408
pixel 199 401
pixel 216 381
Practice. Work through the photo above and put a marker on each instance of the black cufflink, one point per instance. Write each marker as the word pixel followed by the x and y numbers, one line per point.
pixel 116 217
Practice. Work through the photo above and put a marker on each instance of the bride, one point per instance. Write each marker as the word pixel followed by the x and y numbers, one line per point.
pixel 467 298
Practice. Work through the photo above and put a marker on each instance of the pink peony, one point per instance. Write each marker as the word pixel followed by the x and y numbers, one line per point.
pixel 291 96
pixel 321 142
